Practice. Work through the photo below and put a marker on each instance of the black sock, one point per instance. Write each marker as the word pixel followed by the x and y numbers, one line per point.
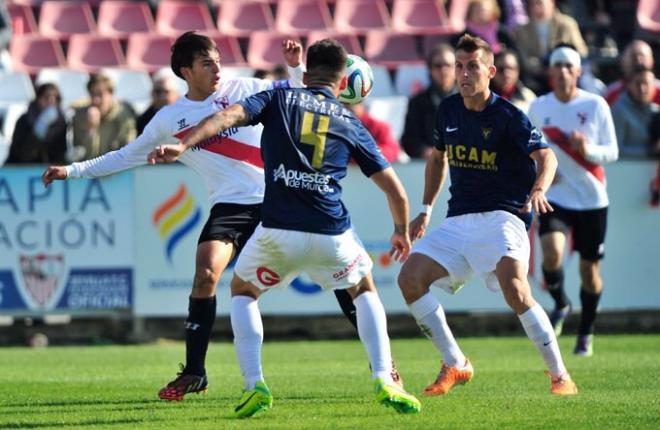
pixel 346 302
pixel 555 283
pixel 201 316
pixel 589 308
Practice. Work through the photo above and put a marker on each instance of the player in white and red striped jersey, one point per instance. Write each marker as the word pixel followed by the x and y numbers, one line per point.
pixel 230 164
pixel 579 128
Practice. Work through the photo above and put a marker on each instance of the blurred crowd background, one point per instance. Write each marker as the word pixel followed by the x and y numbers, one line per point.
pixel 80 78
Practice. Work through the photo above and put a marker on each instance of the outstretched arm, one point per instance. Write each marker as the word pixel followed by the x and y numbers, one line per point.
pixel 546 166
pixel 388 181
pixel 434 176
pixel 233 116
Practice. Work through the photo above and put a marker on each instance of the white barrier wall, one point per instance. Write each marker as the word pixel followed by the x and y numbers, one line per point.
pixel 138 230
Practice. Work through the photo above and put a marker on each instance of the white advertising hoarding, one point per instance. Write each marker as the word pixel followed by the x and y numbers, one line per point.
pixel 166 251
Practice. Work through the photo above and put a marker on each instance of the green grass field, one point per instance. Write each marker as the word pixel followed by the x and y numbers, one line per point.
pixel 326 385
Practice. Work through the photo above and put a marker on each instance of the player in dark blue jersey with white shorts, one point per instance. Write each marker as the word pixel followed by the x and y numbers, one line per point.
pixel 491 149
pixel 307 142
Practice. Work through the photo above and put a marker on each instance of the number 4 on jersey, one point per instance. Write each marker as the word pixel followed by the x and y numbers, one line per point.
pixel 316 138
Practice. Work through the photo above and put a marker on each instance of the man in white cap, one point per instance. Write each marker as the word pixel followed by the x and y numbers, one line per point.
pixel 579 128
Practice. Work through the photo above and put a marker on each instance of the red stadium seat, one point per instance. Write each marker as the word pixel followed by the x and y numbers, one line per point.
pixel 229 49
pixel 31 52
pixel 174 17
pixel 299 17
pixel 91 52
pixel 360 16
pixel 31 3
pixel 121 18
pixel 390 49
pixel 22 19
pixel 60 19
pixel 349 41
pixel 240 18
pixel 148 51
pixel 648 16
pixel 420 17
pixel 265 49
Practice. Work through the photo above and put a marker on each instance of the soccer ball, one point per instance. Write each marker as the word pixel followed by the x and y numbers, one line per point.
pixel 360 80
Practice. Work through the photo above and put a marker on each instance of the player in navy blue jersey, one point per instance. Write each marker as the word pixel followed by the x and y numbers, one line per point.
pixel 307 142
pixel 500 168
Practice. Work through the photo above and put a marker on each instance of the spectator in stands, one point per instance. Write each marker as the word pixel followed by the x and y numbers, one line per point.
pixel 379 130
pixel 513 13
pixel 637 53
pixel 40 133
pixel 420 118
pixel 632 113
pixel 5 36
pixel 163 93
pixel 5 26
pixel 547 28
pixel 654 136
pixel 483 20
pixel 105 124
pixel 507 81
pixel 278 72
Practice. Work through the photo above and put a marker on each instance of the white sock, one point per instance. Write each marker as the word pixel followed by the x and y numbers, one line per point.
pixel 372 329
pixel 431 320
pixel 248 336
pixel 538 328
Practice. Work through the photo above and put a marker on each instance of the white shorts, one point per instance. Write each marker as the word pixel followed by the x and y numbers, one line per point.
pixel 474 243
pixel 273 258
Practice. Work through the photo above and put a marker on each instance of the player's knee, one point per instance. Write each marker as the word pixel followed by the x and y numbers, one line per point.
pixel 239 287
pixel 205 281
pixel 518 299
pixel 411 285
pixel 551 259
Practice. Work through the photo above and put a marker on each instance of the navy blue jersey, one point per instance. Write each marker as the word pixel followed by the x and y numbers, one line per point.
pixel 307 141
pixel 488 153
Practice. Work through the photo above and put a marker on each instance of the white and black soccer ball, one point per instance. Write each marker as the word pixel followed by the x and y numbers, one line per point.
pixel 360 80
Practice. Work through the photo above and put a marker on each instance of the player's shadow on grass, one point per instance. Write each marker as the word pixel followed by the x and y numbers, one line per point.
pixel 74 402
pixel 8 408
pixel 92 423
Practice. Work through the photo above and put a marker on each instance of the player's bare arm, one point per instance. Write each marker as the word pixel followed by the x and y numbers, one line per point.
pixel 389 182
pixel 233 116
pixel 546 166
pixel 53 173
pixel 434 176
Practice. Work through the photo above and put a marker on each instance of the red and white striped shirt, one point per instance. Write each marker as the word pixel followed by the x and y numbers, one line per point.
pixel 230 162
pixel 580 181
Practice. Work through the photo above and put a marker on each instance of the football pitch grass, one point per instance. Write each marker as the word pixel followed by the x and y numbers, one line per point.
pixel 326 385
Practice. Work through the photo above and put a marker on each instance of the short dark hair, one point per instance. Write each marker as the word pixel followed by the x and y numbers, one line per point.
pixel 505 53
pixel 48 86
pixel 100 78
pixel 326 59
pixel 187 47
pixel 437 49
pixel 470 44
